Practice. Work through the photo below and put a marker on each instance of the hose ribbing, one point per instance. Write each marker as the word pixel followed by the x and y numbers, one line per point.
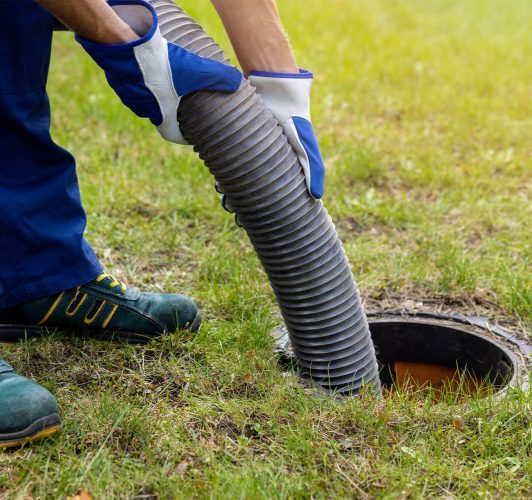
pixel 294 237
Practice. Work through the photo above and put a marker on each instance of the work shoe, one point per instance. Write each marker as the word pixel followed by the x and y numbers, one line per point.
pixel 28 412
pixel 105 308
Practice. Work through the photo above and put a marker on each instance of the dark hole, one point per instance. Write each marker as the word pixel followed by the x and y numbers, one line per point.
pixel 430 354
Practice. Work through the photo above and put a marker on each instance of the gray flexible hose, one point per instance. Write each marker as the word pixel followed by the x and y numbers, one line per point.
pixel 294 237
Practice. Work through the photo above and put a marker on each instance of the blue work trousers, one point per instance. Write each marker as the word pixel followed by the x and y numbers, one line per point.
pixel 42 249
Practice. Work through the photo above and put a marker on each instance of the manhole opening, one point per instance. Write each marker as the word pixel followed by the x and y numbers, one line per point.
pixel 415 355
pixel 440 353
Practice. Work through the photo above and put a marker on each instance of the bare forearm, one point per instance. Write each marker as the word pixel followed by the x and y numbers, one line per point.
pixel 257 35
pixel 91 19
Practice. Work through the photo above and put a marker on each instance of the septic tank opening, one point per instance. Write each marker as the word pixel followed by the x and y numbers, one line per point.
pixel 421 354
pixel 440 352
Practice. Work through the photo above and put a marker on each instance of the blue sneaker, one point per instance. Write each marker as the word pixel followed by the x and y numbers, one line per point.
pixel 105 308
pixel 28 412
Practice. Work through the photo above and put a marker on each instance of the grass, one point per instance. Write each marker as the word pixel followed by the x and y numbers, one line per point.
pixel 423 112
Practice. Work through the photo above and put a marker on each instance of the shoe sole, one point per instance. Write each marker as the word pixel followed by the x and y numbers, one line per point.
pixel 14 333
pixel 40 429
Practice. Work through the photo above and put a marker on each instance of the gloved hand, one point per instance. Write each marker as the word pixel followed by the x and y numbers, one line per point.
pixel 287 95
pixel 150 75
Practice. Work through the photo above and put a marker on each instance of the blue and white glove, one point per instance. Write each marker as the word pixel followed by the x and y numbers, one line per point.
pixel 151 75
pixel 287 96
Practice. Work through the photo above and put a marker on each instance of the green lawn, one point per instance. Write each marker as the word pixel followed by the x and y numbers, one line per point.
pixel 424 112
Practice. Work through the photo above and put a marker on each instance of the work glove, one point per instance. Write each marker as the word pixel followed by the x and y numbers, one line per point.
pixel 287 96
pixel 151 75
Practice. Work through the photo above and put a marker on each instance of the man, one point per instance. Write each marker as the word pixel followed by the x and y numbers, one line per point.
pixel 49 275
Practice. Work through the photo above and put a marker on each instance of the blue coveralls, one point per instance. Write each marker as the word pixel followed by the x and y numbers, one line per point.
pixel 42 249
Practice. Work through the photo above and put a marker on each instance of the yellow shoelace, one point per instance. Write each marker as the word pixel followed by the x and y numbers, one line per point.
pixel 114 282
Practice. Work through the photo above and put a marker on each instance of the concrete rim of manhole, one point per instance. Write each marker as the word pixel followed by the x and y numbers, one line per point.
pixel 451 339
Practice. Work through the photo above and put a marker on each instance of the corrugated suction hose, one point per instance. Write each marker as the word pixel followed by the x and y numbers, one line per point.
pixel 294 237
